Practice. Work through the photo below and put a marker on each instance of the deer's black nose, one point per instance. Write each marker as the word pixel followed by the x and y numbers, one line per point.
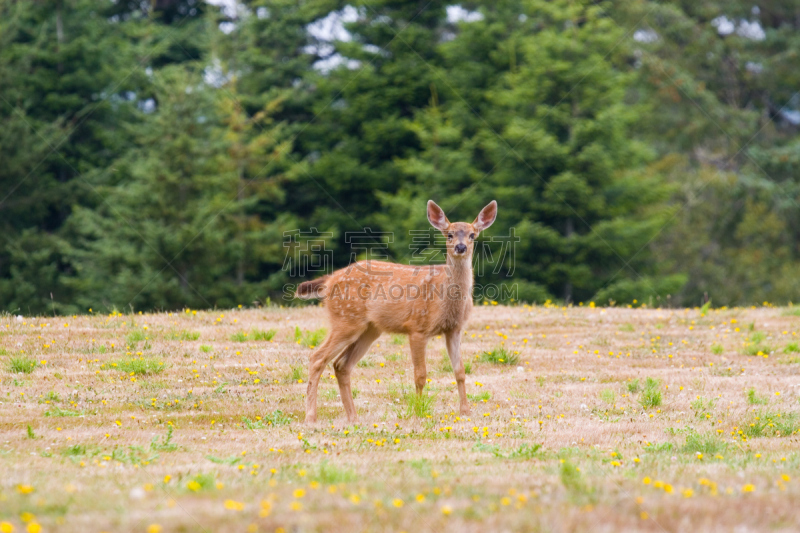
pixel 460 248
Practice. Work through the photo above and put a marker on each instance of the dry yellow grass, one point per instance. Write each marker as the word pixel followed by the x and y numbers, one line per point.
pixel 98 455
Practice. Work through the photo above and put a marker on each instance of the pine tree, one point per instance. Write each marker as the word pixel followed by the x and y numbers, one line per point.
pixel 548 134
pixel 62 97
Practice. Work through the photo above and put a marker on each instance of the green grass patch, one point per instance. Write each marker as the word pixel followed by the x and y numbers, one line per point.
pixel 756 345
pixel 792 347
pixel 651 395
pixel 607 395
pixel 500 356
pixel 330 474
pixel 525 451
pixel 21 364
pixel 140 366
pixel 398 339
pixel 263 335
pixel 482 396
pixel 230 461
pixel 254 335
pixel 135 337
pixel 202 483
pixel 296 374
pixel 633 386
pixel 768 424
pixel 705 444
pixel 239 336
pixel 309 339
pixel 185 335
pixel 754 399
pixel 76 450
pixel 164 444
pixel 394 357
pixel 418 405
pixel 573 482
pixel 189 335
pixel 757 349
pixel 253 424
pixel 277 418
pixel 702 407
pixel 52 396
pixel 717 349
pixel 56 411
pixel 485 447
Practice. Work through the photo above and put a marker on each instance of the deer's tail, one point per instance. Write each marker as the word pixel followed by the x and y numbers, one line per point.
pixel 309 290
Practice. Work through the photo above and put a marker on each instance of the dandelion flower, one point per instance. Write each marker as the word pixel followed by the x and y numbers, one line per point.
pixel 232 505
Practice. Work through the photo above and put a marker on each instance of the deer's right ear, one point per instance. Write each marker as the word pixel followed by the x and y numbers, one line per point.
pixel 436 216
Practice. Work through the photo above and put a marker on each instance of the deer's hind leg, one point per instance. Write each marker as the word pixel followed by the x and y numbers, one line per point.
pixel 334 344
pixel 344 365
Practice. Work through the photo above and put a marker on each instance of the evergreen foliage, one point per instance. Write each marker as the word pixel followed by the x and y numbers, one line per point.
pixel 155 154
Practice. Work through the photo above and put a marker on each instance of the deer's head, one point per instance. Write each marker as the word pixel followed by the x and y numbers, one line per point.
pixel 461 235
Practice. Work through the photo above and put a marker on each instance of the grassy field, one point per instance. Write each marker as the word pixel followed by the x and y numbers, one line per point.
pixel 583 419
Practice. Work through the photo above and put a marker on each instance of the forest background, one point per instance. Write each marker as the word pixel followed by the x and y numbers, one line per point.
pixel 161 154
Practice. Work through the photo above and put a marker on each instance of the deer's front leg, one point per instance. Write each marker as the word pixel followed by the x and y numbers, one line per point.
pixel 454 351
pixel 418 343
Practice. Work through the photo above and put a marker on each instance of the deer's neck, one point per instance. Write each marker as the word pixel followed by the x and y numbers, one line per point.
pixel 457 294
pixel 459 272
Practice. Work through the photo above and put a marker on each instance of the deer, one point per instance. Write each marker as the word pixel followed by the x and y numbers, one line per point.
pixel 370 297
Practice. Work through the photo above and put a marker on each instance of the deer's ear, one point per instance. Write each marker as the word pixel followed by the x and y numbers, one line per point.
pixel 436 216
pixel 486 217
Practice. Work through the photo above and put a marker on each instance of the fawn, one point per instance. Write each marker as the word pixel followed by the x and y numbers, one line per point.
pixel 371 297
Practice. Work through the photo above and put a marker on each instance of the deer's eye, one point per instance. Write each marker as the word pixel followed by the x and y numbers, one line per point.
pixel 472 236
pixel 449 236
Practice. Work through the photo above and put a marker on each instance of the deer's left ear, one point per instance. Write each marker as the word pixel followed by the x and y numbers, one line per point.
pixel 486 217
